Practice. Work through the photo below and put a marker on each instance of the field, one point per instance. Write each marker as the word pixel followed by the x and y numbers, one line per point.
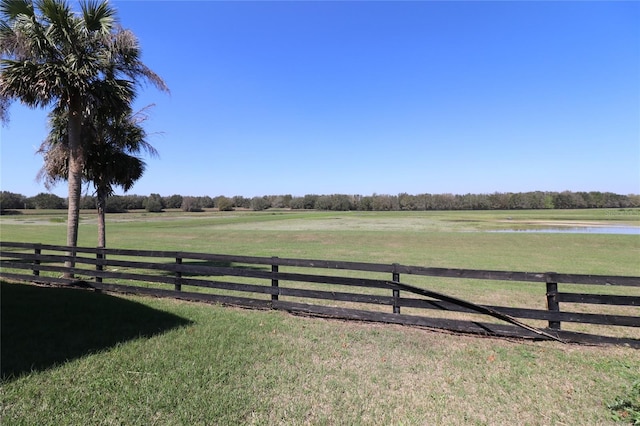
pixel 441 239
pixel 131 360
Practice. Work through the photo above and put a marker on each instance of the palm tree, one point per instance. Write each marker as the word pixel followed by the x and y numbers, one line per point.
pixel 53 56
pixel 110 144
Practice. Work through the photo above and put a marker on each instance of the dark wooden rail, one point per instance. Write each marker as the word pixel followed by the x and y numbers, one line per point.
pixel 355 290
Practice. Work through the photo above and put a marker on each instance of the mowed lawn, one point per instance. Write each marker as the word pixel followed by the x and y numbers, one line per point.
pixel 77 357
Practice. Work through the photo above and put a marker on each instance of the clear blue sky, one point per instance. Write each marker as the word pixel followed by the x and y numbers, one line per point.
pixel 378 97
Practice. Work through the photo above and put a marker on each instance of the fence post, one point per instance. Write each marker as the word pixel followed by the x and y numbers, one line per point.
pixel 100 256
pixel 396 292
pixel 552 299
pixel 178 279
pixel 274 281
pixel 37 251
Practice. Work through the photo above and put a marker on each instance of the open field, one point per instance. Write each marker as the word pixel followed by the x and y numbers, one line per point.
pixel 196 364
pixel 443 239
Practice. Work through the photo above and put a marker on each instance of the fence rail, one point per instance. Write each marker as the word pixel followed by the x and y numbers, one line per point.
pixel 350 290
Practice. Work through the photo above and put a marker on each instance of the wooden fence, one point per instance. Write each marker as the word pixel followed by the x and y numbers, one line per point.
pixel 349 290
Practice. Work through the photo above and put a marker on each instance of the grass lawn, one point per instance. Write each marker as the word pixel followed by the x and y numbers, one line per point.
pixel 76 357
pixel 131 360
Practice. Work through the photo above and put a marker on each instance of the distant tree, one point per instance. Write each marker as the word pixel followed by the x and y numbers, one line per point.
pixel 191 204
pixel 241 202
pixel 612 200
pixel 224 203
pixel 309 201
pixel 408 202
pixel 88 202
pixel 548 201
pixel 286 201
pixel 341 202
pixel 11 201
pixel 323 202
pixel 535 200
pixel 382 202
pixel 48 201
pixel 634 200
pixel 274 201
pixel 207 202
pixel 296 203
pixel 122 203
pixel 173 202
pixel 116 204
pixel 499 201
pixel 154 203
pixel 517 201
pixel 365 203
pixel 260 203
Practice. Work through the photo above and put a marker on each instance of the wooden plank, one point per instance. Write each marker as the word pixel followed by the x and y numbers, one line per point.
pixel 594 279
pixel 601 299
pixel 45 267
pixel 465 303
pixel 337 296
pixel 224 285
pixel 18 255
pixel 472 274
pixel 17 265
pixel 528 313
pixel 185 295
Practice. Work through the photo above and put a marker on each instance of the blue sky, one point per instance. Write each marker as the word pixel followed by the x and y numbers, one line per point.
pixel 377 97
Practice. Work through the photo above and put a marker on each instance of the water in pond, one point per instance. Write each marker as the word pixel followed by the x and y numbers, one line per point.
pixel 622 230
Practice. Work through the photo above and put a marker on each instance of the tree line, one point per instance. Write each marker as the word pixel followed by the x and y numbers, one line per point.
pixel 335 202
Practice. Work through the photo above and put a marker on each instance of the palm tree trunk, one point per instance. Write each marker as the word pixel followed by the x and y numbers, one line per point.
pixel 102 230
pixel 75 178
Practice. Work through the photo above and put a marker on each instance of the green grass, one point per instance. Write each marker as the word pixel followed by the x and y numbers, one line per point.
pixel 442 239
pixel 627 408
pixel 202 364
pixel 76 357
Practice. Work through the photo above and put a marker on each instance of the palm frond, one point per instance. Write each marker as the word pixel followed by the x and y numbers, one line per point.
pixel 4 109
pixel 10 9
pixel 98 16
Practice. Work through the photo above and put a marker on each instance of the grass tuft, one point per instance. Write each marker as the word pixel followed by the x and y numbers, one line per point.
pixel 627 408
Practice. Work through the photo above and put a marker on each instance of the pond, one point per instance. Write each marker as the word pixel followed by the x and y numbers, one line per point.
pixel 621 230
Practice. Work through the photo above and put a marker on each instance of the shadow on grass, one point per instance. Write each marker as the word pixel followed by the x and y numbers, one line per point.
pixel 44 326
pixel 215 264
